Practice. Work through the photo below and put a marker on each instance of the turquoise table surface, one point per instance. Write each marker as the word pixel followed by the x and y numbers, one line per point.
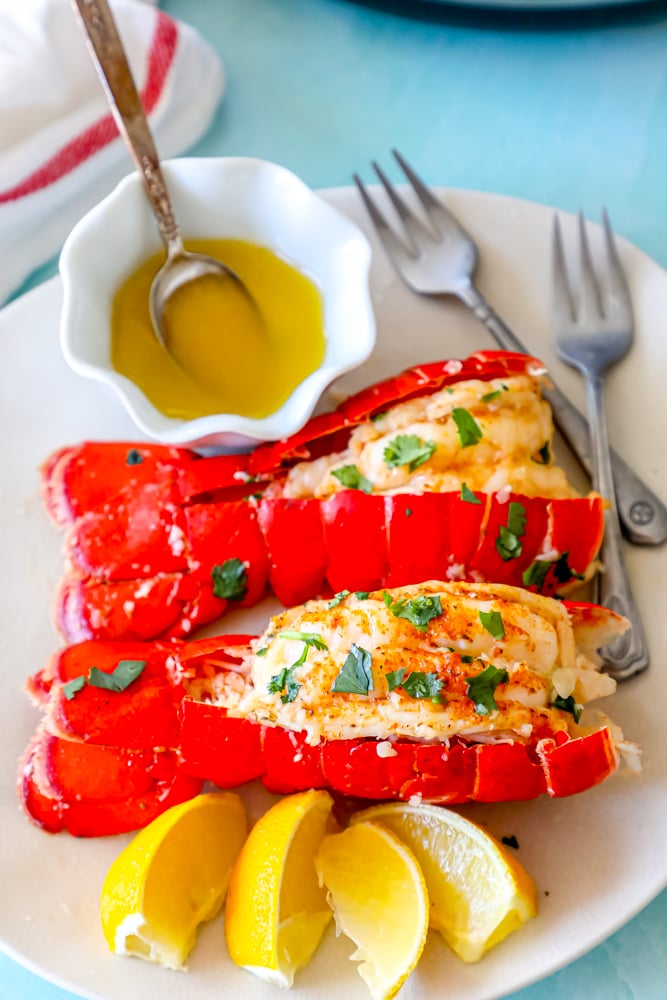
pixel 568 109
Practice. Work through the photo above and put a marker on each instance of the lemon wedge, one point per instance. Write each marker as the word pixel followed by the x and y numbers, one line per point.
pixel 479 893
pixel 172 876
pixel 276 910
pixel 380 901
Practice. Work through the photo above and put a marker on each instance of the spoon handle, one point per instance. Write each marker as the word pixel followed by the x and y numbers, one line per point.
pixel 109 56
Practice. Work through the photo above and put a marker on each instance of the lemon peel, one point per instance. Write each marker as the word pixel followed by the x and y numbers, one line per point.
pixel 379 897
pixel 171 877
pixel 276 911
pixel 479 892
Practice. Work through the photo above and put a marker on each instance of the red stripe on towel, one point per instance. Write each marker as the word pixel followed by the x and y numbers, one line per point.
pixel 103 131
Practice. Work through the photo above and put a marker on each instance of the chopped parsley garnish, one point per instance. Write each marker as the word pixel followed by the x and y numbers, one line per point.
pixel 350 477
pixel 467 495
pixel 230 580
pixel 283 683
pixel 307 638
pixel 361 595
pixel 419 611
pixel 544 454
pixel 408 511
pixel 356 674
pixel 395 678
pixel 568 705
pixel 493 623
pixel 134 457
pixel 420 685
pixel 481 688
pixel 537 572
pixel 510 841
pixel 489 396
pixel 416 684
pixel 120 678
pixel 73 687
pixel 469 430
pixel 410 450
pixel 508 542
pixel 467 659
pixel 379 416
pixel 338 599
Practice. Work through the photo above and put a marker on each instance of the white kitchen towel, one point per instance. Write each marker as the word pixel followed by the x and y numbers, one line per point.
pixel 60 151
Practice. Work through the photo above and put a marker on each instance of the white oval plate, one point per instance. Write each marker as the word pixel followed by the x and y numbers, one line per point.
pixel 599 856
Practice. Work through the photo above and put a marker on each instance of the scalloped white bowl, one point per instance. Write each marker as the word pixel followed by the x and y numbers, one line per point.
pixel 233 197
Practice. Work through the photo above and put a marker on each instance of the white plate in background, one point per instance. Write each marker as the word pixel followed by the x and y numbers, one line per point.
pixel 599 855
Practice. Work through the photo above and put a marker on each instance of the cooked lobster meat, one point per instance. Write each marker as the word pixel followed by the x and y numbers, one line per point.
pixel 443 472
pixel 450 692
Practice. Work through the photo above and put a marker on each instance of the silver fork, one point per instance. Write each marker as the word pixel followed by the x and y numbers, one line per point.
pixel 440 259
pixel 592 335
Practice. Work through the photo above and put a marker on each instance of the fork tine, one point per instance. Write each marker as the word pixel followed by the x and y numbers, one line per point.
pixel 437 211
pixel 616 281
pixel 590 304
pixel 414 228
pixel 394 246
pixel 563 305
pixel 425 194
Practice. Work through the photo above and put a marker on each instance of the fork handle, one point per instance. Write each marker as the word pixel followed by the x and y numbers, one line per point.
pixel 643 515
pixel 627 655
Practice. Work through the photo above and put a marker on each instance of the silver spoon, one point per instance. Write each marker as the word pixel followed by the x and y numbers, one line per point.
pixel 181 266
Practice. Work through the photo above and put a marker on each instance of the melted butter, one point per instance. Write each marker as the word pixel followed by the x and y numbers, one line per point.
pixel 226 353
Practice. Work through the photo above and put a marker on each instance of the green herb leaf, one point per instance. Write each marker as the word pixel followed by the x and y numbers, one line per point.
pixel 419 611
pixel 356 674
pixel 350 477
pixel 310 638
pixel 568 705
pixel 489 396
pixel 493 623
pixel 467 495
pixel 361 595
pixel 481 689
pixel 134 457
pixel 285 685
pixel 263 651
pixel 508 542
pixel 516 519
pixel 230 580
pixel 408 511
pixel 338 599
pixel 467 659
pixel 421 685
pixel 536 573
pixel 73 687
pixel 395 678
pixel 416 684
pixel 120 678
pixel 410 450
pixel 469 430
pixel 307 638
pixel 379 416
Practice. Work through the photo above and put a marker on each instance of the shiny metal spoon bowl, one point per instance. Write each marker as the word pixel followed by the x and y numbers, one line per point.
pixel 181 266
